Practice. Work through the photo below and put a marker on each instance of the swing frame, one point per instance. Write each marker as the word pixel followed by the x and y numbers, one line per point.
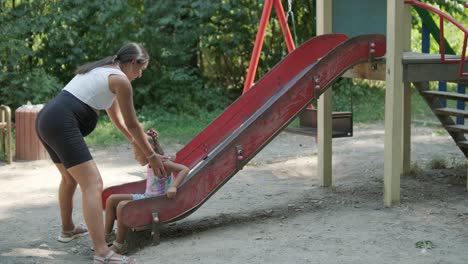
pixel 342 122
pixel 268 5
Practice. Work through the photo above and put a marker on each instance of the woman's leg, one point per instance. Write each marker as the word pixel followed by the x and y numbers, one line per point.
pixel 111 208
pixel 66 191
pixel 88 177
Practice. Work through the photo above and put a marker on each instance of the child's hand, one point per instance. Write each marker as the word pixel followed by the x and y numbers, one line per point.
pixel 171 193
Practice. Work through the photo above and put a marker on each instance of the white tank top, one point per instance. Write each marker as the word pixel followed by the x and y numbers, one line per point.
pixel 92 88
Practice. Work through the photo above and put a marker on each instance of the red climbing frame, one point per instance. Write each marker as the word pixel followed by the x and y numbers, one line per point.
pixel 443 16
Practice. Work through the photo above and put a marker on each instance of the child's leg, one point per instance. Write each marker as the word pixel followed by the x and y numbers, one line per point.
pixel 121 228
pixel 111 209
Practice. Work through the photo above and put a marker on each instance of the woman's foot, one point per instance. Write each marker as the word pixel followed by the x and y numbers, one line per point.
pixel 67 236
pixel 113 258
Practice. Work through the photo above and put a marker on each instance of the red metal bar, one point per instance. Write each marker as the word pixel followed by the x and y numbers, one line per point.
pixel 452 20
pixel 284 25
pixel 463 57
pixel 438 12
pixel 258 45
pixel 249 80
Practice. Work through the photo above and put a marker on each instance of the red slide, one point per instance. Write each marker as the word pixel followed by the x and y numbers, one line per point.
pixel 253 120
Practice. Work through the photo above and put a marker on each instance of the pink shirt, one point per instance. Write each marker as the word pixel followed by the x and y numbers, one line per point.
pixel 157 186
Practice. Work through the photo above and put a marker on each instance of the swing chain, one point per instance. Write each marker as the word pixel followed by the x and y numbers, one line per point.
pixel 290 13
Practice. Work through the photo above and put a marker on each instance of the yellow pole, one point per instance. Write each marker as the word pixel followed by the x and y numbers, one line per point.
pixel 324 113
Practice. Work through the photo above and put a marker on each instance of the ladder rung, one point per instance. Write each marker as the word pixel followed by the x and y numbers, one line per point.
pixel 447 95
pixel 458 128
pixel 451 111
pixel 462 144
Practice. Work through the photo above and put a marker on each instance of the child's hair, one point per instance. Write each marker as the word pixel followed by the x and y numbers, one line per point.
pixel 155 141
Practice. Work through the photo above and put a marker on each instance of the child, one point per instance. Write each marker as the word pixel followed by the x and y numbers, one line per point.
pixel 154 187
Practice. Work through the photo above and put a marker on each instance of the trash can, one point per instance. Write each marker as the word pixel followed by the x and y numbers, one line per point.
pixel 28 145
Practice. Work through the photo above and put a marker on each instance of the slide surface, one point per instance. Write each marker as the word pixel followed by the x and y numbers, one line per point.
pixel 253 120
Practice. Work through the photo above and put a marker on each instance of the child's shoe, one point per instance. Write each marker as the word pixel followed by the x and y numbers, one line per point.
pixel 110 238
pixel 67 236
pixel 118 248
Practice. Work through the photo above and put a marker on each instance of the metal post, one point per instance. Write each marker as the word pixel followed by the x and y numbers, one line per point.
pixel 460 104
pixel 258 45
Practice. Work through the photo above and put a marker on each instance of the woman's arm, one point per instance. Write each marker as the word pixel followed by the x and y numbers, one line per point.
pixel 115 116
pixel 124 96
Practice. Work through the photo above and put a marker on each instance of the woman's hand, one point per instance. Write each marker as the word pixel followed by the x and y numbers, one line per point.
pixel 157 165
pixel 139 156
pixel 171 192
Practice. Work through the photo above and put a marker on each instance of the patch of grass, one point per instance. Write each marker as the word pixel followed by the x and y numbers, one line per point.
pixel 173 128
pixel 415 169
pixel 437 163
pixel 424 244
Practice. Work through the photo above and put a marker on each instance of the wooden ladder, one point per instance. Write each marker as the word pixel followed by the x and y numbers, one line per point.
pixel 446 115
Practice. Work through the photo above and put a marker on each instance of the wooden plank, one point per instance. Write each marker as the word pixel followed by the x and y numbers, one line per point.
pixel 458 128
pixel 451 111
pixel 426 58
pixel 462 144
pixel 447 95
pixel 428 72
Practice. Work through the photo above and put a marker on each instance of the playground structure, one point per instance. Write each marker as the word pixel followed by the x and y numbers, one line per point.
pixel 5 133
pixel 250 123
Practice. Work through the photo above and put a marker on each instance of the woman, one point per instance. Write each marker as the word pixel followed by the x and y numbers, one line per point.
pixel 71 115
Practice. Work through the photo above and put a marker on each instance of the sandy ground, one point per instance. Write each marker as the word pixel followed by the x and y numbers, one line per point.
pixel 273 211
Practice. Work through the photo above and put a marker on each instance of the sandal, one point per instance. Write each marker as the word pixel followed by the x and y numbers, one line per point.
pixel 110 238
pixel 67 236
pixel 113 258
pixel 119 248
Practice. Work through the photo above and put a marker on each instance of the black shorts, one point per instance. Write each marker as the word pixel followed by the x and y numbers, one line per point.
pixel 62 125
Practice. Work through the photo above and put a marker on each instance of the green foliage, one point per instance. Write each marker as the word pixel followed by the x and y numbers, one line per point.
pixel 173 128
pixel 365 99
pixel 200 50
pixel 453 35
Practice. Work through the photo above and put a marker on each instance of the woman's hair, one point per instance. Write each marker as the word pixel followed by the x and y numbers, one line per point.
pixel 155 141
pixel 127 53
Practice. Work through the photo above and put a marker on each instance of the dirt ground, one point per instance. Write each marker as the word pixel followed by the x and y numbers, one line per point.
pixel 273 211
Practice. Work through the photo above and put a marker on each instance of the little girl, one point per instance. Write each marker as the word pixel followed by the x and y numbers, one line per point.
pixel 154 187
